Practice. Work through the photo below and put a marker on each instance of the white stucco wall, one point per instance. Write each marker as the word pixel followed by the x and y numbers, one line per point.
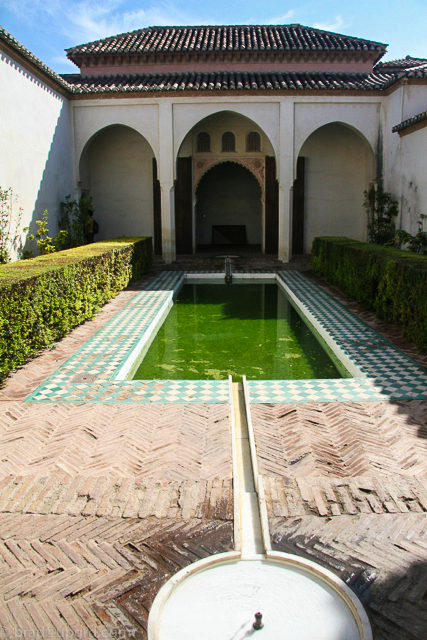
pixel 116 168
pixel 413 179
pixel 35 135
pixel 392 117
pixel 339 167
pixel 405 174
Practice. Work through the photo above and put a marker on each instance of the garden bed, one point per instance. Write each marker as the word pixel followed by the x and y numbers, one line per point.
pixel 391 282
pixel 42 299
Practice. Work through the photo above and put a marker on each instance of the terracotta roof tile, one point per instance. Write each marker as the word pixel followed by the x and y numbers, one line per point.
pixel 410 121
pixel 225 38
pixel 226 81
pixel 417 72
pixel 401 64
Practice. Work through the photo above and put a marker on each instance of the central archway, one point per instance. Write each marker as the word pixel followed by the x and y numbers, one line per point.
pixel 228 208
pixel 232 152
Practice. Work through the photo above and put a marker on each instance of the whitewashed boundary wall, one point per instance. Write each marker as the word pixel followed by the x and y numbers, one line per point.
pixel 35 134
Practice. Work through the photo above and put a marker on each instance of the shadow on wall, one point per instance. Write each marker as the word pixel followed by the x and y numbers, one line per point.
pixel 56 180
pixel 35 129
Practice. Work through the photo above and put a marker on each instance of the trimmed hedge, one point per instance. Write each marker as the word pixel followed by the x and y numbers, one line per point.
pixel 389 281
pixel 42 299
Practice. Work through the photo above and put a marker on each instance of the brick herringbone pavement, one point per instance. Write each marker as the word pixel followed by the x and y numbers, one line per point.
pixel 99 506
pixel 382 558
pixel 154 441
pixel 74 577
pixel 342 438
pixel 346 486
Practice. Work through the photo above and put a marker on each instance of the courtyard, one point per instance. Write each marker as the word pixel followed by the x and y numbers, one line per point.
pixel 261 140
pixel 101 502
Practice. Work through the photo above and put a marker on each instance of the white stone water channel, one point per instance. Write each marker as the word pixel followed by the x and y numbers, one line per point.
pixel 217 598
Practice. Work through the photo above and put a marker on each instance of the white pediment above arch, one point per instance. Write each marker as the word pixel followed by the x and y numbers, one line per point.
pixel 92 119
pixel 362 117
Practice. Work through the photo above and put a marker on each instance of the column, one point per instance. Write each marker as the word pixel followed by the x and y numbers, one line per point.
pixel 166 179
pixel 286 178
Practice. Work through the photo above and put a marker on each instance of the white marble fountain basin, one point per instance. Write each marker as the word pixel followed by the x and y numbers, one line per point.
pixel 298 599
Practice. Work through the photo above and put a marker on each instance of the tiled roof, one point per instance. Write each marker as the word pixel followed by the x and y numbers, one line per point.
pixel 418 72
pixel 401 64
pixel 410 121
pixel 226 81
pixel 12 42
pixel 192 39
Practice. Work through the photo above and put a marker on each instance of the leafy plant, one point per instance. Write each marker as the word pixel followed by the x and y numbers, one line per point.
pixel 43 299
pixel 381 210
pixel 387 280
pixel 44 241
pixel 418 242
pixel 9 227
pixel 74 220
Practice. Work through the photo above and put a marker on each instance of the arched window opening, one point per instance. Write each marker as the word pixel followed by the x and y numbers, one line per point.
pixel 228 141
pixel 253 141
pixel 203 142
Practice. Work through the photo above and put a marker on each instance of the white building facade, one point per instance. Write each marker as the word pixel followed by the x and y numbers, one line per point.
pixel 202 136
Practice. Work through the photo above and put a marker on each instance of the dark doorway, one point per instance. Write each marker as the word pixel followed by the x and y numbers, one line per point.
pixel 183 207
pixel 157 212
pixel 298 209
pixel 228 209
pixel 271 207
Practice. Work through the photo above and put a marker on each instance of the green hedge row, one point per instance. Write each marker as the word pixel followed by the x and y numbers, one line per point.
pixel 391 282
pixel 42 299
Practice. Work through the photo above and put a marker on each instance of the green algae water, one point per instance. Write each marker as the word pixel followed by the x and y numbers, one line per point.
pixel 214 330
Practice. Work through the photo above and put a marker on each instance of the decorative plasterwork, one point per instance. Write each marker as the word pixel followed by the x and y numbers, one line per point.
pixel 255 166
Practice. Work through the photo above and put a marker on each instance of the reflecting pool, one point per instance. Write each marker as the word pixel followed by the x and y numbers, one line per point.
pixel 214 330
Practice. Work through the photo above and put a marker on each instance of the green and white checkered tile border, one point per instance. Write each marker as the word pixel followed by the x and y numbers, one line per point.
pixel 89 375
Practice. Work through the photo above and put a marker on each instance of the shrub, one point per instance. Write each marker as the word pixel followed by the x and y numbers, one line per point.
pixel 42 299
pixel 389 281
pixel 75 214
pixel 44 241
pixel 381 209
pixel 9 225
pixel 416 243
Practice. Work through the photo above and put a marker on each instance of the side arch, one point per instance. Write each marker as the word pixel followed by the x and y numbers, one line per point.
pixel 117 167
pixel 89 121
pixel 355 130
pixel 336 164
pixel 362 117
